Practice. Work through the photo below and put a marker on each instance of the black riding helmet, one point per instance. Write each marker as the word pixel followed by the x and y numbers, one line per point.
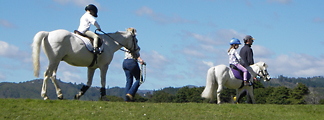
pixel 93 10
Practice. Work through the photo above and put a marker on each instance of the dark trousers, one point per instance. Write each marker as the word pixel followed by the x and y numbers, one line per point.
pixel 131 70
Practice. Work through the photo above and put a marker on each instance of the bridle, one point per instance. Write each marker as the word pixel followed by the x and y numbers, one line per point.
pixel 263 74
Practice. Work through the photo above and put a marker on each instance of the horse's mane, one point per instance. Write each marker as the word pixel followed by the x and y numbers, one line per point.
pixel 131 30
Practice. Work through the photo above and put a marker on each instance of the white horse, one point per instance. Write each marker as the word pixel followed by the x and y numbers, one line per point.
pixel 221 75
pixel 62 45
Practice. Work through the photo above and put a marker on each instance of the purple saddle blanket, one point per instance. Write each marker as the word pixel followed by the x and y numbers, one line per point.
pixel 239 74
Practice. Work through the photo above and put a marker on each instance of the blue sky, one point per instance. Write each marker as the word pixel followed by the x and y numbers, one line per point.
pixel 179 39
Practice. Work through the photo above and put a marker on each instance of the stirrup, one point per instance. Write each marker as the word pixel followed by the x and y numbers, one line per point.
pixel 96 50
pixel 246 83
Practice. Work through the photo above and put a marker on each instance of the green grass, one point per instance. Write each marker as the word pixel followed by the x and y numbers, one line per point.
pixel 71 109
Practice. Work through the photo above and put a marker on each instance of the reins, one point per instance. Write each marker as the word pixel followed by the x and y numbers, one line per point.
pixel 143 66
pixel 130 51
pixel 143 73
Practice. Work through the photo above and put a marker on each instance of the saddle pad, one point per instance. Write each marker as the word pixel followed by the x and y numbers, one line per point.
pixel 87 42
pixel 239 74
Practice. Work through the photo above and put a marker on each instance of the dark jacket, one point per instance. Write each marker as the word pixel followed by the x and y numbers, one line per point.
pixel 246 54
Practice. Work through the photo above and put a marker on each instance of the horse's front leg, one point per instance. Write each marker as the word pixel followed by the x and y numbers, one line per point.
pixel 89 82
pixel 251 94
pixel 103 72
pixel 239 93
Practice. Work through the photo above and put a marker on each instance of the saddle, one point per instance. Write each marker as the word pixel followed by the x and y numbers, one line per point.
pixel 238 73
pixel 91 39
pixel 89 47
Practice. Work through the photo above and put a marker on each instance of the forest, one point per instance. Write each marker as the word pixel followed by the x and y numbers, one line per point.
pixel 280 90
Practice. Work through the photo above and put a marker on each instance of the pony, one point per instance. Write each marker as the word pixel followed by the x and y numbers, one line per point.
pixel 62 45
pixel 221 75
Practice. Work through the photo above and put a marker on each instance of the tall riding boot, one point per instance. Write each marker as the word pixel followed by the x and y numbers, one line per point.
pixel 96 46
pixel 103 94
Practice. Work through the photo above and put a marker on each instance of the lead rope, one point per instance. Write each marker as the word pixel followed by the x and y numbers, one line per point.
pixel 143 70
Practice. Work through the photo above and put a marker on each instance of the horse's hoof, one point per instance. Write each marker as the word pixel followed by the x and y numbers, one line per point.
pixel 104 98
pixel 45 98
pixel 77 97
pixel 60 98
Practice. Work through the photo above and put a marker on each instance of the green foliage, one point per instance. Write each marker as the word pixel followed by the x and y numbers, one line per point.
pixel 280 95
pixel 261 95
pixel 298 94
pixel 161 96
pixel 321 102
pixel 186 94
pixel 227 95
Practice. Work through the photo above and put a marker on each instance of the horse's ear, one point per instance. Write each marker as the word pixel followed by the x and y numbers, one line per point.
pixel 265 65
pixel 133 30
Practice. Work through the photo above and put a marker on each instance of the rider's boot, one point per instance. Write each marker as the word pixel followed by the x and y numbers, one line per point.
pixel 96 50
pixel 246 82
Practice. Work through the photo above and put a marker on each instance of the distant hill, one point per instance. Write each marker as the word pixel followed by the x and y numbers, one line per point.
pixel 31 89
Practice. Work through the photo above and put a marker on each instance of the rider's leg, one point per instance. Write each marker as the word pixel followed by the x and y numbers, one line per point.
pixel 95 39
pixel 244 70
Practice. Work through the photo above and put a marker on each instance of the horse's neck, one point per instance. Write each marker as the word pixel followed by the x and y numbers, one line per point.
pixel 255 69
pixel 114 42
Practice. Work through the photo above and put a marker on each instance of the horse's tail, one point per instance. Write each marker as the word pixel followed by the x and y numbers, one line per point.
pixel 38 38
pixel 211 83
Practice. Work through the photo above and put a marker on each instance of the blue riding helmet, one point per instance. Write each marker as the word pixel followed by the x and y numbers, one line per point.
pixel 234 41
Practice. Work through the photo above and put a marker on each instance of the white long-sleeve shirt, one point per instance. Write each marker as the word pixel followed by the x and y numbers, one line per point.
pixel 234 57
pixel 85 21
pixel 134 55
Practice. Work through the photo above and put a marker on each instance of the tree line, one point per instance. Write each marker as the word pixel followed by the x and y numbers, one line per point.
pixel 263 95
pixel 281 90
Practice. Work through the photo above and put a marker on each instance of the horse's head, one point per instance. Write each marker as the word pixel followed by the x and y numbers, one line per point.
pixel 132 44
pixel 263 72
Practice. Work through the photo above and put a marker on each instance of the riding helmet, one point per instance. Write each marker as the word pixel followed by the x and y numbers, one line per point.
pixel 93 10
pixel 234 41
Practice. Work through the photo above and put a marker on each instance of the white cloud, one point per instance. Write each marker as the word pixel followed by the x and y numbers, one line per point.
pixel 220 37
pixel 318 20
pixel 155 60
pixel 80 3
pixel 297 65
pixel 209 63
pixel 8 50
pixel 280 1
pixel 2 77
pixel 193 52
pixel 6 24
pixel 72 77
pixel 161 18
pixel 261 51
pixel 11 51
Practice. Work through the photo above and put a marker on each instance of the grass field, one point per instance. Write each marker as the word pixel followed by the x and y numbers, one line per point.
pixel 100 110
